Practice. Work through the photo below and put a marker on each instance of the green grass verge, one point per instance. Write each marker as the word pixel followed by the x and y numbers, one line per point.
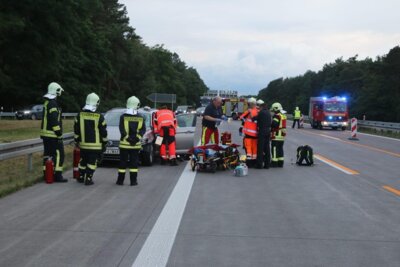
pixel 16 130
pixel 387 133
pixel 14 174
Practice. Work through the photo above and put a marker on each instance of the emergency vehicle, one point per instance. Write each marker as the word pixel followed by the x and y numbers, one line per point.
pixel 234 107
pixel 329 112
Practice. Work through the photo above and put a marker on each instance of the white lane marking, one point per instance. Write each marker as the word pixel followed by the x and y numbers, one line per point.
pixel 332 165
pixel 158 245
pixel 379 136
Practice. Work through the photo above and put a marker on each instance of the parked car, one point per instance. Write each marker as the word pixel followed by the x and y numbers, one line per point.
pixel 183 109
pixel 33 112
pixel 200 111
pixel 184 135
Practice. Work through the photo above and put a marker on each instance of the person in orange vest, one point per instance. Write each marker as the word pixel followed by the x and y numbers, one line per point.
pixel 165 125
pixel 278 133
pixel 250 132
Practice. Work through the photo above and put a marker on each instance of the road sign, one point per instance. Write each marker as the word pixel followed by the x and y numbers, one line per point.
pixel 162 98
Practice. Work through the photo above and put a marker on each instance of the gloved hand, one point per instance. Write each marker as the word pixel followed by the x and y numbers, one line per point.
pixel 58 133
pixel 133 140
pixel 224 118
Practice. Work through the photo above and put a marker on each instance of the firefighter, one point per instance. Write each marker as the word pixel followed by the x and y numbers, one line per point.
pixel 132 128
pixel 264 135
pixel 165 123
pixel 278 133
pixel 91 136
pixel 250 132
pixel 259 103
pixel 296 117
pixel 51 131
pixel 212 117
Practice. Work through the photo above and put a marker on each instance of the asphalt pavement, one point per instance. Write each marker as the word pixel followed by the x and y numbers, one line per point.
pixel 343 211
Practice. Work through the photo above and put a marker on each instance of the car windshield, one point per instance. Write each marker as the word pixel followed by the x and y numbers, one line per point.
pixel 186 120
pixel 335 107
pixel 112 117
pixel 182 108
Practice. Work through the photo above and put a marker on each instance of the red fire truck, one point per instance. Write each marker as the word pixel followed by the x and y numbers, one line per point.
pixel 329 112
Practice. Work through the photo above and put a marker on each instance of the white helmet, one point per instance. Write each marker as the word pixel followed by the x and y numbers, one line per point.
pixel 276 107
pixel 53 90
pixel 133 103
pixel 92 102
pixel 260 102
pixel 252 100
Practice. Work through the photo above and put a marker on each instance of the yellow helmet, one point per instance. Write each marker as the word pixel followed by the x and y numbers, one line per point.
pixel 276 107
pixel 133 102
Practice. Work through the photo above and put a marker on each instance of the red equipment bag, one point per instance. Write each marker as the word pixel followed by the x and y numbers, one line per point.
pixel 226 138
pixel 76 159
pixel 49 172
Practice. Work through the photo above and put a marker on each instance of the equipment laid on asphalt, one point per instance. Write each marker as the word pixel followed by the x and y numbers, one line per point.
pixel 211 157
pixel 226 138
pixel 49 171
pixel 241 170
pixel 305 153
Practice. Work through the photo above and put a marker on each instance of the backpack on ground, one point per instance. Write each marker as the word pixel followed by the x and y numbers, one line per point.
pixel 305 156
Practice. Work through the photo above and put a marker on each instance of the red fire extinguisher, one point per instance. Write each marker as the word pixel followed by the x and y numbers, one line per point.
pixel 77 158
pixel 49 172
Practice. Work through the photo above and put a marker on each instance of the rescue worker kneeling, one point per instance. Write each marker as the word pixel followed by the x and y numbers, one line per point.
pixel 132 129
pixel 91 136
pixel 278 133
pixel 165 125
pixel 250 132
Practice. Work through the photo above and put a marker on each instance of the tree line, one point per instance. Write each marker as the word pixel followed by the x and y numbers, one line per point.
pixel 86 46
pixel 372 87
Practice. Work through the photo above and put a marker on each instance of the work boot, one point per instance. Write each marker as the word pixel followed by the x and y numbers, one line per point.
pixel 58 178
pixel 88 179
pixel 173 162
pixel 274 164
pixel 163 161
pixel 266 165
pixel 81 177
pixel 121 178
pixel 280 163
pixel 133 176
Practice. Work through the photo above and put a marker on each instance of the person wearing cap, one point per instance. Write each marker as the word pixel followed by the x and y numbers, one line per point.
pixel 264 136
pixel 250 131
pixel 90 130
pixel 51 131
pixel 212 117
pixel 132 128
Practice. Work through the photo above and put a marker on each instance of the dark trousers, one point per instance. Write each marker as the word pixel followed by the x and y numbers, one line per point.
pixel 129 158
pixel 88 163
pixel 54 148
pixel 277 153
pixel 263 151
pixel 294 123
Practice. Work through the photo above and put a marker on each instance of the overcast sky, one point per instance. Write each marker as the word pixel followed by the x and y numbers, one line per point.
pixel 243 45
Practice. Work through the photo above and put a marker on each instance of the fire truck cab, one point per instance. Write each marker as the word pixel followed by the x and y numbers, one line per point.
pixel 329 112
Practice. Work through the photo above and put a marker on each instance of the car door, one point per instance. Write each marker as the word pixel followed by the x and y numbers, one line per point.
pixel 185 133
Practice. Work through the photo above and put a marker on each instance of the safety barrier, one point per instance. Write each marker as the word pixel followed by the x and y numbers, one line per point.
pixel 353 129
pixel 27 147
pixel 12 114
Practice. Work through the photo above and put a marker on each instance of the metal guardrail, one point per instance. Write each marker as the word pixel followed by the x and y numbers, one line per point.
pixel 379 124
pixel 27 147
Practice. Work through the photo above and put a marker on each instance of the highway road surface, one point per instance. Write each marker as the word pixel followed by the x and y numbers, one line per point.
pixel 344 211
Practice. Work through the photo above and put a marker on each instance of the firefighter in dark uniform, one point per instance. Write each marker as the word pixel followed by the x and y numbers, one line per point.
pixel 51 131
pixel 278 133
pixel 91 136
pixel 132 128
pixel 264 136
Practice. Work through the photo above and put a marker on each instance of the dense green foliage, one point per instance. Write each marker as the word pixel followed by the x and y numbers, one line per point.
pixel 372 86
pixel 85 45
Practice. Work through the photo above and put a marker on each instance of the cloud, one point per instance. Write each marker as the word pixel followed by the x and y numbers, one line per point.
pixel 243 45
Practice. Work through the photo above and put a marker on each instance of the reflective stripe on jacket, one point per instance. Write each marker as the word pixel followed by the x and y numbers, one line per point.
pixel 297 114
pixel 164 118
pixel 278 133
pixel 51 122
pixel 250 126
pixel 90 130
pixel 131 127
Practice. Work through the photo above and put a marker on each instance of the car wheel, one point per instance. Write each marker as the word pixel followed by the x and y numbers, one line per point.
pixel 148 156
pixel 334 128
pixel 33 117
pixel 343 128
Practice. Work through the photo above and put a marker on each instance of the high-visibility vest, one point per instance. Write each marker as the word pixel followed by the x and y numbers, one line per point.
pixel 164 118
pixel 279 133
pixel 90 130
pixel 51 121
pixel 131 126
pixel 250 126
pixel 297 114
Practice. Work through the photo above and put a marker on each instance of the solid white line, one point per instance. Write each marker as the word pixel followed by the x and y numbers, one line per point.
pixel 158 245
pixel 332 165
